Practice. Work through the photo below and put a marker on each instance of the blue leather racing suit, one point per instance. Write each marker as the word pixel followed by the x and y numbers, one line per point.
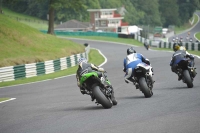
pixel 130 63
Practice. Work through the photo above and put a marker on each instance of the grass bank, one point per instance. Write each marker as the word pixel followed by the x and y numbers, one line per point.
pixel 25 19
pixel 22 44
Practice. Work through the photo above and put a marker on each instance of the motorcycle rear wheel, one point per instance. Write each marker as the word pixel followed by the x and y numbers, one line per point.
pixel 187 78
pixel 144 88
pixel 101 98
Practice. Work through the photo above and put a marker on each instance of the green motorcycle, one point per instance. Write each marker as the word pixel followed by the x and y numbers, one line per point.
pixel 99 87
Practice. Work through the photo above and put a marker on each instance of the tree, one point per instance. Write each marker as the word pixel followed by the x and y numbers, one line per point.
pixel 169 12
pixel 151 12
pixel 133 16
pixel 37 9
pixel 1 6
pixel 66 14
pixel 58 4
pixel 186 9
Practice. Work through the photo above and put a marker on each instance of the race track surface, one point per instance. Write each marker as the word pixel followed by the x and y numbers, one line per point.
pixel 57 106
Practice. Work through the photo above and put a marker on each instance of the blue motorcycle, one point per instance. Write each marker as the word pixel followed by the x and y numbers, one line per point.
pixel 185 71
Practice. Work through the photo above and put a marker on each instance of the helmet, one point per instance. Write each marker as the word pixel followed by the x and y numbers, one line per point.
pixel 176 46
pixel 130 51
pixel 182 48
pixel 82 60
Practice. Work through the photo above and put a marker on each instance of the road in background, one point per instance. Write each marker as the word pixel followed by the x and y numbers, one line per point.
pixel 192 31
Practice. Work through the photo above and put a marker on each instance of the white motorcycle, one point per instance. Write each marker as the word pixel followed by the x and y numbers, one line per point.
pixel 143 76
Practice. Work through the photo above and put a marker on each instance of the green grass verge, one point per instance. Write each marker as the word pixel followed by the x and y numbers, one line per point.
pixel 94 57
pixel 22 44
pixel 4 99
pixel 197 35
pixel 29 20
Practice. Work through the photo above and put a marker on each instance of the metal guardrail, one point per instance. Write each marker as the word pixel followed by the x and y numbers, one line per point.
pixel 34 69
pixel 188 45
pixel 80 33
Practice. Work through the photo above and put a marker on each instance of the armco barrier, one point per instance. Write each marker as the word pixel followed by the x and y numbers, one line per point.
pixel 79 33
pixel 188 45
pixel 34 69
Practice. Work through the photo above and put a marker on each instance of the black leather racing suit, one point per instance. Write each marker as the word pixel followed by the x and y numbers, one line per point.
pixel 178 55
pixel 89 67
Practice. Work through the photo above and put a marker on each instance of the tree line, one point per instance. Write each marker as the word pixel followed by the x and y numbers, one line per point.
pixel 137 12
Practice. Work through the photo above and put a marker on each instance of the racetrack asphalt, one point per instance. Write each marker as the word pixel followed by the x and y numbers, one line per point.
pixel 57 106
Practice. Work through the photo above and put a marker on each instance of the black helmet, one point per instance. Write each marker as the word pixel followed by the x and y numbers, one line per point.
pixel 130 51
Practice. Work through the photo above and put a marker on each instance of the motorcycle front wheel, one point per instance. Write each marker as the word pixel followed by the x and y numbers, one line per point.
pixel 144 88
pixel 101 98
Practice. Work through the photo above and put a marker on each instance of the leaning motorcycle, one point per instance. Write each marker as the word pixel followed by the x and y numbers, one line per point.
pixel 146 45
pixel 186 72
pixel 143 76
pixel 99 88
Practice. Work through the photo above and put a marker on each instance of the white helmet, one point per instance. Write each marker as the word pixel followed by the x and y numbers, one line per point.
pixel 182 48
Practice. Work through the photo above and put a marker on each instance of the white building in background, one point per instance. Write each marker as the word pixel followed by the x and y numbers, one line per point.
pixel 105 19
pixel 132 29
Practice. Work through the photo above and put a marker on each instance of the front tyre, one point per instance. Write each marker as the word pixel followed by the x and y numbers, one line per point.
pixel 187 78
pixel 144 88
pixel 101 98
pixel 114 101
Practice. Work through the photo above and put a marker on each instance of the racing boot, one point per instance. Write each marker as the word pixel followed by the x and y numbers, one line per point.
pixel 137 86
pixel 130 80
pixel 179 76
pixel 82 90
pixel 92 97
pixel 134 82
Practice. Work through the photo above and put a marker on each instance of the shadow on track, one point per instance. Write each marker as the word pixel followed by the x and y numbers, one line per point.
pixel 132 97
pixel 178 88
pixel 80 108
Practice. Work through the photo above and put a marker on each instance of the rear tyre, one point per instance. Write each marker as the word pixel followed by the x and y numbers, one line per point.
pixel 144 88
pixel 114 101
pixel 187 78
pixel 101 98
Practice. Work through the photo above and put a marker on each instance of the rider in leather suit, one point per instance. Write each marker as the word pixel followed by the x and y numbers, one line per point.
pixel 130 62
pixel 180 52
pixel 82 66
